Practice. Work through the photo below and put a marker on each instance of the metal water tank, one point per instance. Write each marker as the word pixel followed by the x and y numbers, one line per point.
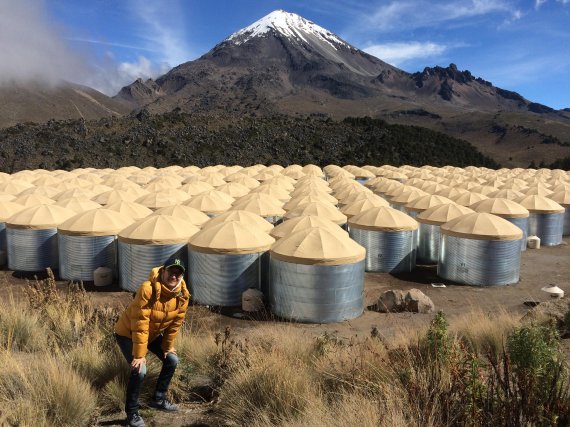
pixel 390 239
pixel 87 241
pixel 317 277
pixel 480 249
pixel 148 243
pixel 546 219
pixel 226 259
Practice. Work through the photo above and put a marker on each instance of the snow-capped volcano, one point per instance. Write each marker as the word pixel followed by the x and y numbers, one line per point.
pixel 289 25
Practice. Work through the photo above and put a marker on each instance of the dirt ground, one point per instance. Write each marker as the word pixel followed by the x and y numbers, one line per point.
pixel 547 265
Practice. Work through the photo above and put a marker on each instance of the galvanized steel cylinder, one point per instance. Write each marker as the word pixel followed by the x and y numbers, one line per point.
pixel 547 226
pixel 220 279
pixel 479 262
pixel 136 261
pixel 79 256
pixel 2 236
pixel 31 249
pixel 566 226
pixel 387 251
pixel 316 293
pixel 521 223
pixel 428 244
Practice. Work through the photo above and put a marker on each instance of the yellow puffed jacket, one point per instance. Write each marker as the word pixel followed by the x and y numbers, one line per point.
pixel 155 310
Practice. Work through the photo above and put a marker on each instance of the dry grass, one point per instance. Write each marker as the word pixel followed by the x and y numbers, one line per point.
pixel 62 366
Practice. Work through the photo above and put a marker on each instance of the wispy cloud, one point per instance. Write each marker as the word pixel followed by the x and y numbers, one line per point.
pixel 409 14
pixel 163 30
pixel 538 3
pixel 398 53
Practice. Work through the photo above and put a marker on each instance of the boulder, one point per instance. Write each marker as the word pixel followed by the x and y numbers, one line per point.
pixel 418 302
pixel 391 301
pixel 395 301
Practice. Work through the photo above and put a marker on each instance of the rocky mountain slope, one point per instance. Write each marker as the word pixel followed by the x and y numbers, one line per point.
pixel 35 102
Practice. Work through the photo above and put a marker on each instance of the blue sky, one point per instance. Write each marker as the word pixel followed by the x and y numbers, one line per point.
pixel 522 46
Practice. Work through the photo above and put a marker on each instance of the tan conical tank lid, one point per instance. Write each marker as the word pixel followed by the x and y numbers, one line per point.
pixel 14 186
pixel 230 237
pixel 248 218
pixel 95 222
pixel 33 200
pixel 114 196
pixel 322 209
pixel 481 226
pixel 163 199
pixel 561 197
pixel 78 204
pixel 540 204
pixel 209 202
pixel 507 193
pixel 406 196
pixel 441 214
pixel 468 198
pixel 504 208
pixel 425 202
pixel 6 197
pixel 383 218
pixel 39 217
pixel 317 246
pixel 7 209
pixel 196 187
pixel 302 222
pixel 192 215
pixel 234 189
pixel 260 204
pixel 359 195
pixel 362 205
pixel 303 200
pixel 243 179
pixel 158 230
pixel 273 190
pixel 135 210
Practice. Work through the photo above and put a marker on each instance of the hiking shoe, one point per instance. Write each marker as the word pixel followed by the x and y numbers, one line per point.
pixel 163 405
pixel 135 420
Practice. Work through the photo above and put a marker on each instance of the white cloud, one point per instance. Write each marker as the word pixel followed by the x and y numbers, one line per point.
pixel 398 53
pixel 163 29
pixel 31 48
pixel 410 14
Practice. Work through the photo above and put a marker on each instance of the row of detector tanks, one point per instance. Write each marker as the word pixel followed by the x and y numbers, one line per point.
pixel 293 302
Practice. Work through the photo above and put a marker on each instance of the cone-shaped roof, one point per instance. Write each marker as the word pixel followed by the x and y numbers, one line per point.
pixel 132 209
pixel 317 246
pixel 39 217
pixel 246 217
pixel 78 204
pixel 322 209
pixel 95 222
pixel 301 222
pixel 192 215
pixel 440 214
pixel 540 204
pixel 383 218
pixel 481 226
pixel 230 237
pixel 504 208
pixel 561 197
pixel 7 209
pixel 425 202
pixel 158 230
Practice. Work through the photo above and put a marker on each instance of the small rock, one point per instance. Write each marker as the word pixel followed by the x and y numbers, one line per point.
pixel 395 301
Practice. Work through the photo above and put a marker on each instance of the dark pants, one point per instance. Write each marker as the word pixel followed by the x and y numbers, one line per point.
pixel 136 378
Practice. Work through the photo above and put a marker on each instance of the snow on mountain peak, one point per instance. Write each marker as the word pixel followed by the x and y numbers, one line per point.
pixel 289 24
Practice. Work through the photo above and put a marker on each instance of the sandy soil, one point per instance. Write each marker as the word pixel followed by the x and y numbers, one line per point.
pixel 538 268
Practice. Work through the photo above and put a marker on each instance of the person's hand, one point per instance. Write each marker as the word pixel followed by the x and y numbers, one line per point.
pixel 138 363
pixel 172 350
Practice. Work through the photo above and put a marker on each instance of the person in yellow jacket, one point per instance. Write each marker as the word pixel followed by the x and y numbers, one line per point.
pixel 151 323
